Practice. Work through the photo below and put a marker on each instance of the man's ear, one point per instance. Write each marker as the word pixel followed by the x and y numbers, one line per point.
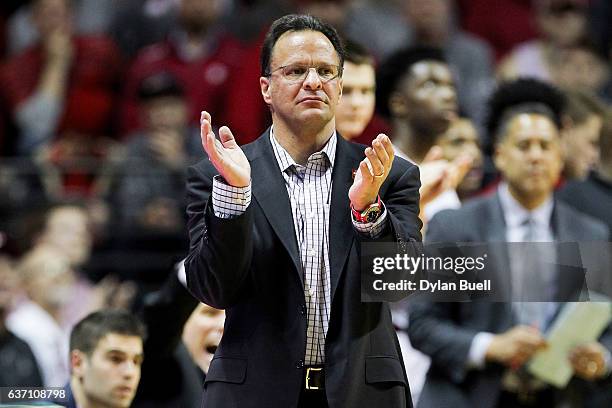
pixel 498 157
pixel 264 84
pixel 566 123
pixel 77 363
pixel 341 86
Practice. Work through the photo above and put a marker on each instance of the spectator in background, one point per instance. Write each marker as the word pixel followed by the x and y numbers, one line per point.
pixel 90 17
pixel 18 367
pixel 593 196
pixel 470 59
pixel 476 347
pixel 580 134
pixel 106 354
pixel 198 52
pixel 138 23
pixel 416 92
pixel 63 84
pixel 562 23
pixel 431 23
pixel 356 108
pixel 47 279
pixel 150 186
pixel 461 139
pixel 202 334
pixel 66 229
pixel 582 66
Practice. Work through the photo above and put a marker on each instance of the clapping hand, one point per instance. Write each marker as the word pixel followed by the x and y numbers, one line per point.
pixel 225 154
pixel 372 172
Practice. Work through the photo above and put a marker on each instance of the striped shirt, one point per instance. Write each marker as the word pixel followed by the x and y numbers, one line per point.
pixel 309 188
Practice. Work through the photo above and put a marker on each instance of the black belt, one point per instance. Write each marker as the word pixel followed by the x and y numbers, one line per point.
pixel 314 377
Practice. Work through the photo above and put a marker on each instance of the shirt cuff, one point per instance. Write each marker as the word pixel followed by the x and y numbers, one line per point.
pixel 229 201
pixel 478 350
pixel 372 229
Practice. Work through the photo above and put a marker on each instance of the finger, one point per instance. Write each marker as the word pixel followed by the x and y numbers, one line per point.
pixel 377 167
pixel 213 148
pixel 381 153
pixel 388 146
pixel 206 115
pixel 366 175
pixel 205 127
pixel 227 138
pixel 435 153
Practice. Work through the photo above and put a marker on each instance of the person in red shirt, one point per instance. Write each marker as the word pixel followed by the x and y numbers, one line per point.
pixel 64 83
pixel 198 53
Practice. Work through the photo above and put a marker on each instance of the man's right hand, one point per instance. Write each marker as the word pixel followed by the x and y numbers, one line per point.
pixel 227 157
pixel 516 346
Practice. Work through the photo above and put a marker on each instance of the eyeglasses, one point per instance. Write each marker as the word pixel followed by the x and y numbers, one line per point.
pixel 297 73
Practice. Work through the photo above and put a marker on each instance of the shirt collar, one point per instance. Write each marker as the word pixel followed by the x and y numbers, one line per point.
pixel 515 214
pixel 285 161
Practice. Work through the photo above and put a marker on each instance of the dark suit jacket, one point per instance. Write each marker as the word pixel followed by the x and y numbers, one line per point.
pixel 445 331
pixel 250 266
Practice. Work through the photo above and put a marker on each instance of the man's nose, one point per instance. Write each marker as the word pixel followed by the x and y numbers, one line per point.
pixel 312 80
pixel 535 151
pixel 448 94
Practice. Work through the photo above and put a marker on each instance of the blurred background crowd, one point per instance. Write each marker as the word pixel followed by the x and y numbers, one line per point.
pixel 99 110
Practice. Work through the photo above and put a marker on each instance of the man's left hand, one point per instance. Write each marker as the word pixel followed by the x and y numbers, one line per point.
pixel 588 361
pixel 372 172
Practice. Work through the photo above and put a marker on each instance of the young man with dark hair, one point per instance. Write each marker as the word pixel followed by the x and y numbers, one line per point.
pixel 416 93
pixel 284 261
pixel 356 108
pixel 105 360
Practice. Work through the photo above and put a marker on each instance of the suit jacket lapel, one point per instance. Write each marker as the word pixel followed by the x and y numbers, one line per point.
pixel 341 234
pixel 271 193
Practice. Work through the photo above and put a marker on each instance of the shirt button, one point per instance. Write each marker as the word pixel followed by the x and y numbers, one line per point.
pixel 303 310
pixel 311 252
pixel 299 364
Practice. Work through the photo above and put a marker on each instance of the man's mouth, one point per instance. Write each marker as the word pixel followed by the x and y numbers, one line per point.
pixel 124 390
pixel 312 99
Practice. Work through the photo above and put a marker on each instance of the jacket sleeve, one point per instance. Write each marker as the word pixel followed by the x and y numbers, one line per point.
pixel 433 329
pixel 220 250
pixel 401 199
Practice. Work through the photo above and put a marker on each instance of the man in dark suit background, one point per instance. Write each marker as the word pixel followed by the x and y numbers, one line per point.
pixel 285 263
pixel 475 346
